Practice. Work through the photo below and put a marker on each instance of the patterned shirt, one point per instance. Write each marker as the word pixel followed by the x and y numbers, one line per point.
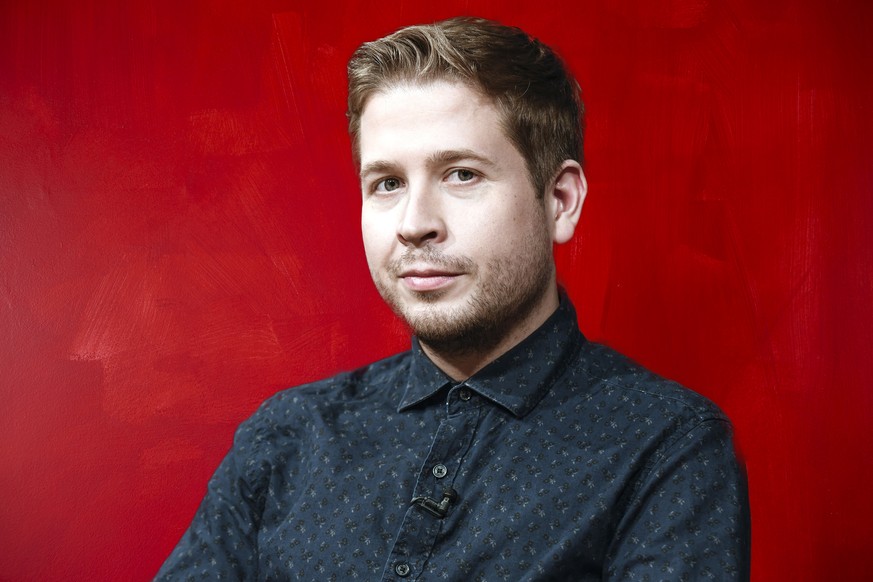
pixel 560 460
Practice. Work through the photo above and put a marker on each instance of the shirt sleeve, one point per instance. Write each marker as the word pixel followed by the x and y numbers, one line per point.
pixel 689 517
pixel 221 542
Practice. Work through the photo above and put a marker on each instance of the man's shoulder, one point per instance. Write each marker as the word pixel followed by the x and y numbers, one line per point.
pixel 293 420
pixel 619 381
pixel 380 379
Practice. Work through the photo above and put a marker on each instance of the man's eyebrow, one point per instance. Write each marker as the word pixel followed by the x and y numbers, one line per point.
pixel 435 159
pixel 451 156
pixel 377 167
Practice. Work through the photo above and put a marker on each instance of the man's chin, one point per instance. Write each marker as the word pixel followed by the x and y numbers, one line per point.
pixel 432 316
pixel 442 317
pixel 451 329
pixel 426 297
pixel 427 315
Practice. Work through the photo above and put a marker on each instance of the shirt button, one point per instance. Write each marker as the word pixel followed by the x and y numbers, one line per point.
pixel 402 569
pixel 465 394
pixel 439 471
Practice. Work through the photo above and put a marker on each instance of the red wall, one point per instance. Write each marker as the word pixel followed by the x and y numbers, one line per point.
pixel 179 239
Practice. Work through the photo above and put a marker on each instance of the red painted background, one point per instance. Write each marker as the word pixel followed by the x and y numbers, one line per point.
pixel 179 239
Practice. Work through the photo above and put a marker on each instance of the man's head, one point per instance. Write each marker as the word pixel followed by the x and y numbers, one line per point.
pixel 464 190
pixel 538 100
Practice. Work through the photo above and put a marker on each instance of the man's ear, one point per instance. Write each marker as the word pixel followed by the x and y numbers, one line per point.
pixel 564 198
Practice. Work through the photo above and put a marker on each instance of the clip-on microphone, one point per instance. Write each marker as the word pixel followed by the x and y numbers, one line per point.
pixel 437 509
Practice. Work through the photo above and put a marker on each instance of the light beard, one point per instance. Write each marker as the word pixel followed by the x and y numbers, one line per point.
pixel 508 292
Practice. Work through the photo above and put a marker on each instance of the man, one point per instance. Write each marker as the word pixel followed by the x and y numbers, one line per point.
pixel 503 446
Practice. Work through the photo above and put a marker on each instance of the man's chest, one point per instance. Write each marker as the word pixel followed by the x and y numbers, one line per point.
pixel 475 494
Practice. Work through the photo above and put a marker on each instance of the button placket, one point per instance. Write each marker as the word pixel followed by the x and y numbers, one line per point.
pixel 433 498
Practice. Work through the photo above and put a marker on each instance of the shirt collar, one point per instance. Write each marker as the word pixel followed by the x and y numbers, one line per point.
pixel 518 379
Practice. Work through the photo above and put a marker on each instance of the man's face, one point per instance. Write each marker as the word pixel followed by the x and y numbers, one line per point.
pixel 457 241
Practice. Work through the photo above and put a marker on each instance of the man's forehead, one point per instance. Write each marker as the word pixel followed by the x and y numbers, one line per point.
pixel 431 86
pixel 439 120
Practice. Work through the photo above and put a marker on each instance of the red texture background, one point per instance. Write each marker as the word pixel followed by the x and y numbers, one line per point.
pixel 179 239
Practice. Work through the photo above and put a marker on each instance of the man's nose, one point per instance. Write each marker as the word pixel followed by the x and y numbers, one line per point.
pixel 421 220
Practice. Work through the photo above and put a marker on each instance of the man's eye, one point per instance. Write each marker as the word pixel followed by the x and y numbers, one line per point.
pixel 463 175
pixel 388 185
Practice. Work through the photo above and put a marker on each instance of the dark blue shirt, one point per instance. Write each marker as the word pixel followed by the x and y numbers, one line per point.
pixel 561 460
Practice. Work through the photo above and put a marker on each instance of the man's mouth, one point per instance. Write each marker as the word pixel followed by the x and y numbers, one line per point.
pixel 427 279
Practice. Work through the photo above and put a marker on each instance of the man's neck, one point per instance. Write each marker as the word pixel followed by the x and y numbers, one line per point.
pixel 460 366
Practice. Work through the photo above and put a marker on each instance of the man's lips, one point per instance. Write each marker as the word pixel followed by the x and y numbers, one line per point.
pixel 427 279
